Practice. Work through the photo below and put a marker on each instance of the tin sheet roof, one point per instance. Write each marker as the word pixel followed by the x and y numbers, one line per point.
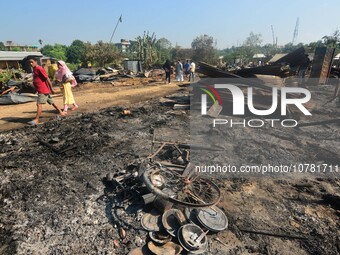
pixel 17 55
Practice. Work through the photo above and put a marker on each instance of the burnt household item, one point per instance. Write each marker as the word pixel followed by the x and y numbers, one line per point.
pixel 162 204
pixel 172 220
pixel 193 239
pixel 148 198
pixel 151 222
pixel 140 251
pixel 189 190
pixel 191 215
pixel 212 218
pixel 160 237
pixel 169 248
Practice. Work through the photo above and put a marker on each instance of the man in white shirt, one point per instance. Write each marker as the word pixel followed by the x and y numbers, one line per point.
pixel 192 72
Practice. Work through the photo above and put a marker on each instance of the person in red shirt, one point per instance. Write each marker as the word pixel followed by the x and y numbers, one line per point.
pixel 43 86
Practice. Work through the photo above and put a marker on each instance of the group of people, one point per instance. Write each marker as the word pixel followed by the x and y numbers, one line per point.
pixel 44 87
pixel 66 81
pixel 188 69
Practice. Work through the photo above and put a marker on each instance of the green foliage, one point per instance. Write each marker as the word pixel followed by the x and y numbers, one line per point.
pixel 333 40
pixel 313 45
pixel 163 48
pixel 250 47
pixel 75 53
pixel 154 52
pixel 146 49
pixel 289 47
pixel 181 53
pixel 230 55
pixel 253 40
pixel 58 51
pixel 163 43
pixel 72 67
pixel 5 76
pixel 16 49
pixel 269 50
pixel 2 46
pixel 203 49
pixel 102 54
pixel 46 50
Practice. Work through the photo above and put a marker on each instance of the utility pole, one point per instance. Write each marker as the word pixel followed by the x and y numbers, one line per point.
pixel 296 31
pixel 119 20
pixel 273 36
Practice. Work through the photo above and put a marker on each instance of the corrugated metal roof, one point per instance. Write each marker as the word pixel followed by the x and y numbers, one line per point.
pixel 277 57
pixel 17 55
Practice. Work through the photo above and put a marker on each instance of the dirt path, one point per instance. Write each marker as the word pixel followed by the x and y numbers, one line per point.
pixel 90 97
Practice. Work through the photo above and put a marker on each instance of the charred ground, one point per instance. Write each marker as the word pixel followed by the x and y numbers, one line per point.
pixel 54 198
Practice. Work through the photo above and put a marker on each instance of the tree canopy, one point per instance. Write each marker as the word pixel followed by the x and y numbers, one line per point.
pixel 154 52
pixel 58 51
pixel 102 53
pixel 76 53
pixel 203 49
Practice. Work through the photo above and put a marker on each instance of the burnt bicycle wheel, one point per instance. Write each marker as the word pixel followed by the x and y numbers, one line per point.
pixel 188 189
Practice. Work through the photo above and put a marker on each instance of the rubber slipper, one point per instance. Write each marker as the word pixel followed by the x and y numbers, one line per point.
pixel 32 123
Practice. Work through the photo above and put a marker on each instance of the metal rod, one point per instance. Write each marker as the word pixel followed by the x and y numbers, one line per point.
pixel 119 20
pixel 272 234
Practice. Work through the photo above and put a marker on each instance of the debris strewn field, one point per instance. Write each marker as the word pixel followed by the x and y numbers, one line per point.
pixel 54 198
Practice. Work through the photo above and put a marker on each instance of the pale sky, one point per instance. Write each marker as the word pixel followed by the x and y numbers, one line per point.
pixel 228 22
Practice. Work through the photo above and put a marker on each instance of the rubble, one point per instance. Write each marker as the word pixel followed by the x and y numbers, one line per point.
pixel 72 186
pixel 17 92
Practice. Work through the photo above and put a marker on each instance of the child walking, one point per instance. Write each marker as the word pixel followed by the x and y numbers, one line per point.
pixel 67 81
pixel 43 86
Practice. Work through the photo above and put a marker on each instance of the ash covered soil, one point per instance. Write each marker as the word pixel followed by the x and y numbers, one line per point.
pixel 54 198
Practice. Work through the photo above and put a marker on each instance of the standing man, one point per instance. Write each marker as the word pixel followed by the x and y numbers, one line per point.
pixel 43 86
pixel 179 71
pixel 167 68
pixel 192 72
pixel 187 69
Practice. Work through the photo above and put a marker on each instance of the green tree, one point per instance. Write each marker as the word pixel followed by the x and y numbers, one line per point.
pixel 163 47
pixel 75 53
pixel 253 40
pixel 181 53
pixel 163 43
pixel 102 54
pixel 146 49
pixel 46 50
pixel 57 51
pixel 251 46
pixel 289 47
pixel 269 50
pixel 313 45
pixel 204 49
pixel 231 55
pixel 2 46
pixel 16 48
pixel 333 40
